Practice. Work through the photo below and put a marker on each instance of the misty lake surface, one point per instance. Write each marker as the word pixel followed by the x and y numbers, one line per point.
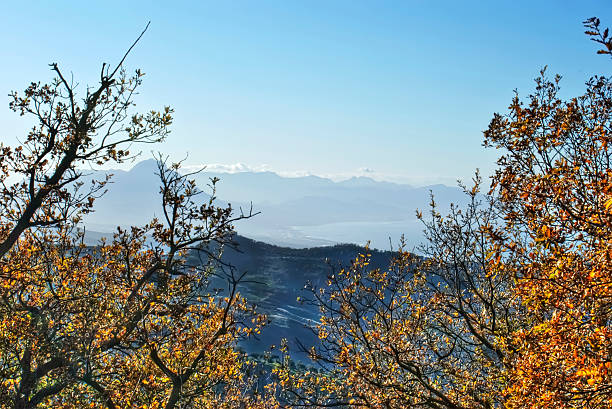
pixel 377 233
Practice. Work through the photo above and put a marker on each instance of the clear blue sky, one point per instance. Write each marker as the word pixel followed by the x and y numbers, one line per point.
pixel 331 87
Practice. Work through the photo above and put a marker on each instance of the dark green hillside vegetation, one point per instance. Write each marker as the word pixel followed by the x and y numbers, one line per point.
pixel 277 276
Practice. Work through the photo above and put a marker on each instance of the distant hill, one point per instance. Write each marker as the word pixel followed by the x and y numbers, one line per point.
pixel 295 212
pixel 276 277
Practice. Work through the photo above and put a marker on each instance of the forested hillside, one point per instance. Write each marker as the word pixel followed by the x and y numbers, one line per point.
pixel 277 277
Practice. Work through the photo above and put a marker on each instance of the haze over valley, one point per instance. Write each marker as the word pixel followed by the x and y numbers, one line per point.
pixel 293 211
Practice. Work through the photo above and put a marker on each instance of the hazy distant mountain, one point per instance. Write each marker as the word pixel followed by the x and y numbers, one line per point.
pixel 298 212
pixel 132 197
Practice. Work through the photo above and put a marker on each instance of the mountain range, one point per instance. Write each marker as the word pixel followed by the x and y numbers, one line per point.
pixel 293 211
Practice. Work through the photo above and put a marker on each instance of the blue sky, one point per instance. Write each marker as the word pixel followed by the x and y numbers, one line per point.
pixel 394 90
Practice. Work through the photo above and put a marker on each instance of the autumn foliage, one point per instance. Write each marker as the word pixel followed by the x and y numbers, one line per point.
pixel 130 322
pixel 511 303
pixel 429 331
pixel 555 191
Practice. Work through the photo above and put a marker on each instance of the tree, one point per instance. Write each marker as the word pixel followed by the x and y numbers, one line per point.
pixel 511 305
pixel 428 332
pixel 555 190
pixel 130 322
